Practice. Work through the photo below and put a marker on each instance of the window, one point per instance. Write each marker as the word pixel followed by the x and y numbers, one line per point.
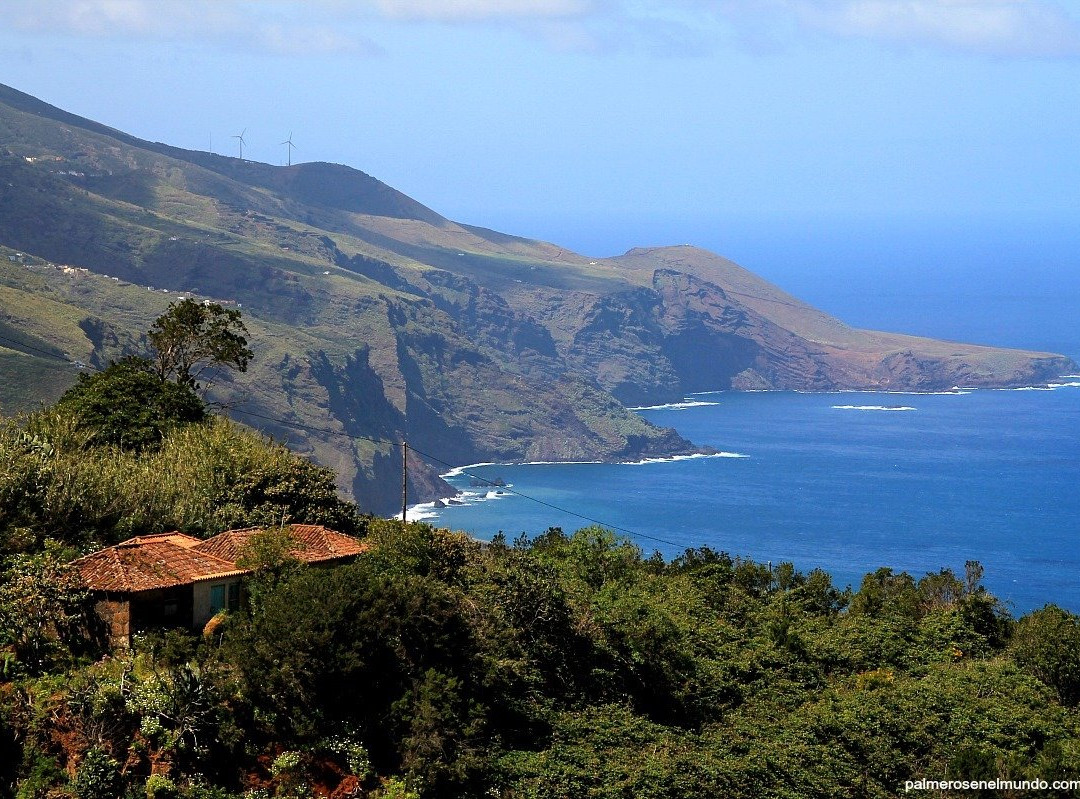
pixel 217 598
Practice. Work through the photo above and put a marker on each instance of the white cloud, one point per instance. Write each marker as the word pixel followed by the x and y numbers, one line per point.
pixel 995 27
pixel 482 10
pixel 301 40
pixel 1018 28
pixel 1012 28
pixel 266 26
pixel 299 27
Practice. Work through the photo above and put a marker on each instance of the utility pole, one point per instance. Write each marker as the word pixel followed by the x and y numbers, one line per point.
pixel 404 478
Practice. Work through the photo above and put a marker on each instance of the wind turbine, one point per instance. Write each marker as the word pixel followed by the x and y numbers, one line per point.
pixel 240 136
pixel 288 141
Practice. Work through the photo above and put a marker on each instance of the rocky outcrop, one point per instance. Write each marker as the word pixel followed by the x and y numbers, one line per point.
pixel 686 333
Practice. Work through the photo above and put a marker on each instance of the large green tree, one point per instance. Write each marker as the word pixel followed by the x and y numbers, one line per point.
pixel 191 337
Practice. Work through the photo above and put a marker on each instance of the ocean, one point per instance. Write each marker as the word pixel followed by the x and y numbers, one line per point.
pixel 850 482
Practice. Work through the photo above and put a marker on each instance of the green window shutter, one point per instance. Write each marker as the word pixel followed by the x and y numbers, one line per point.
pixel 217 598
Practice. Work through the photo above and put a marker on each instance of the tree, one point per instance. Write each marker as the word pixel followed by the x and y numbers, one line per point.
pixel 883 593
pixel 268 555
pixel 191 337
pixel 41 600
pixel 1046 643
pixel 129 406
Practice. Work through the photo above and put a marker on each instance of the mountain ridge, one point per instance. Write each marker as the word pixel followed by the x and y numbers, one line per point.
pixel 372 312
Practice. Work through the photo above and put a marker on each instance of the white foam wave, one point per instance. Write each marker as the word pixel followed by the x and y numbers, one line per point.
pixel 1071 384
pixel 463 499
pixel 955 391
pixel 695 456
pixel 873 407
pixel 1026 388
pixel 466 497
pixel 474 498
pixel 418 513
pixel 553 463
pixel 457 471
pixel 674 406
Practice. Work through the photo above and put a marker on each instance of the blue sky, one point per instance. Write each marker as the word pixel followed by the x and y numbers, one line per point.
pixel 599 123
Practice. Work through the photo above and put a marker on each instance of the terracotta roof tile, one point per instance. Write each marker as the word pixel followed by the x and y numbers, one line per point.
pixel 175 537
pixel 228 545
pixel 164 560
pixel 314 543
pixel 322 543
pixel 149 562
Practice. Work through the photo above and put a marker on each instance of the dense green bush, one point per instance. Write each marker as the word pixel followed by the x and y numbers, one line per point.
pixel 42 619
pixel 203 478
pixel 391 657
pixel 159 786
pixel 437 666
pixel 573 665
pixel 1047 644
pixel 129 406
pixel 97 777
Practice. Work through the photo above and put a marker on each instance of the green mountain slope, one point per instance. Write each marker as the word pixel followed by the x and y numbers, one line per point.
pixel 374 317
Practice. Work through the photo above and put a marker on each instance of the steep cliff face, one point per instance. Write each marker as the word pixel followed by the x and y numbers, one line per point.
pixel 684 333
pixel 749 350
pixel 375 320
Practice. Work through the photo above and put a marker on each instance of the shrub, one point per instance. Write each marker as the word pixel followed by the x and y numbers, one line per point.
pixel 129 406
pixel 202 479
pixel 97 777
pixel 1046 644
pixel 158 786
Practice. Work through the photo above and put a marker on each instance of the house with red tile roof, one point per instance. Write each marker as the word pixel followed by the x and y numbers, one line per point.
pixel 176 580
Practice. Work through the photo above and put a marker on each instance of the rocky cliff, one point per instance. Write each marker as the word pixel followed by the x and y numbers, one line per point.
pixel 374 319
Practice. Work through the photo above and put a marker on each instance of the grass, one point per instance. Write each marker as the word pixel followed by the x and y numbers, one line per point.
pixel 49 379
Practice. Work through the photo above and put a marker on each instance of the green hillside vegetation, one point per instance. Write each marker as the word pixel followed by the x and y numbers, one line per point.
pixel 559 666
pixel 132 449
pixel 440 666
pixel 375 316
pixel 55 483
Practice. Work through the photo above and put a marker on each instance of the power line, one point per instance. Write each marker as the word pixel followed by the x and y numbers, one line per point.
pixel 510 490
pixel 387 442
pixel 49 353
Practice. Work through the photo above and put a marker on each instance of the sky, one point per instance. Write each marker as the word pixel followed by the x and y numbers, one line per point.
pixel 603 124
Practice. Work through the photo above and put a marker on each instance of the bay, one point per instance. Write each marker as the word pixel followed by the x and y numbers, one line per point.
pixel 847 482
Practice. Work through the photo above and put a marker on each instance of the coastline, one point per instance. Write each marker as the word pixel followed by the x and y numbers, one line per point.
pixel 429 509
pixel 846 491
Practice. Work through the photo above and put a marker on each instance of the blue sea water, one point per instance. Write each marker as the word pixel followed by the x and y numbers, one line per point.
pixel 850 482
pixel 846 482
